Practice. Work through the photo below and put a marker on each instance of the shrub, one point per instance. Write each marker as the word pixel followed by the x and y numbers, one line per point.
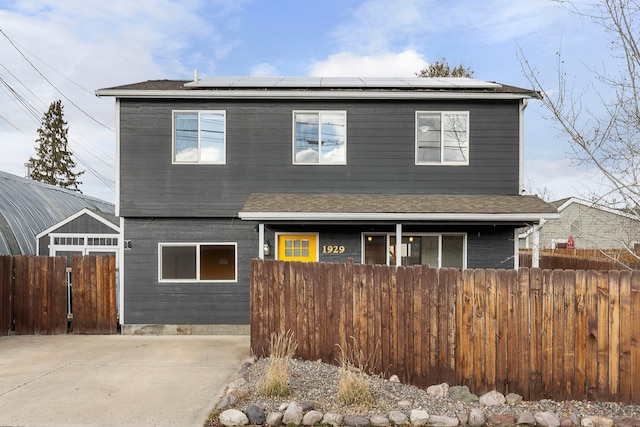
pixel 275 381
pixel 352 387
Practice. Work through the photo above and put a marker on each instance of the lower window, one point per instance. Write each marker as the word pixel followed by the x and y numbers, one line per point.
pixel 435 250
pixel 197 262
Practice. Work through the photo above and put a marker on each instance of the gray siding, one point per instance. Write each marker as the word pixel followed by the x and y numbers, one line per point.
pixel 149 302
pixel 82 225
pixel 380 155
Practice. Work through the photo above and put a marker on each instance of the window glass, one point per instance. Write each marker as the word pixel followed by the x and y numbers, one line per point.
pixel 198 262
pixel 179 262
pixel 320 138
pixel 453 251
pixel 199 137
pixel 442 137
pixel 217 262
pixel 434 250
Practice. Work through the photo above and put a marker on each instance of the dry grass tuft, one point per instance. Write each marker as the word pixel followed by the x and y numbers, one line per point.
pixel 282 347
pixel 352 387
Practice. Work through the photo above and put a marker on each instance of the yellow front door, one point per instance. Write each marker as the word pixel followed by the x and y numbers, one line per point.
pixel 297 247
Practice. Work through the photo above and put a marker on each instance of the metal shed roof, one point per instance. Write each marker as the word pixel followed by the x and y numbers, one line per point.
pixel 27 207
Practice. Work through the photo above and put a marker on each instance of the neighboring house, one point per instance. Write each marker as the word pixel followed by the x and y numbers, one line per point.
pixel 213 173
pixel 29 207
pixel 591 226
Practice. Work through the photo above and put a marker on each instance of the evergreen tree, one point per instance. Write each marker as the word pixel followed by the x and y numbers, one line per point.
pixel 53 163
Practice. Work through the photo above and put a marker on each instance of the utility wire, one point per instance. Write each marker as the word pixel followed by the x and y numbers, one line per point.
pixel 54 86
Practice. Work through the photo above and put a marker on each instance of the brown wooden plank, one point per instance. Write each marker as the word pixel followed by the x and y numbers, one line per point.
pixel 635 337
pixel 377 315
pixel 100 289
pixel 78 294
pixel 465 343
pixel 322 326
pixel 591 345
pixel 400 367
pixel 502 322
pixel 33 295
pixel 559 330
pixel 524 341
pixel 454 279
pixel 409 331
pixel 570 332
pixel 603 335
pixel 626 322
pixel 255 270
pixel 433 288
pixel 6 279
pixel 480 333
pixel 443 323
pixel 393 320
pixel 385 318
pixel 418 271
pixel 491 330
pixel 547 333
pixel 513 358
pixel 535 353
pixel 614 336
pixel 581 336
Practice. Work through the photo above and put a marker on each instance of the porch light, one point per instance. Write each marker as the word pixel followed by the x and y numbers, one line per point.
pixel 266 248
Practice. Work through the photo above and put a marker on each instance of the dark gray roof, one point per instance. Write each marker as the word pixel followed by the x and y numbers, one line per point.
pixel 28 207
pixel 353 85
pixel 363 206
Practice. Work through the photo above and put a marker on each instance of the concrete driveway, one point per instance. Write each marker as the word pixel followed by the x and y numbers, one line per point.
pixel 115 380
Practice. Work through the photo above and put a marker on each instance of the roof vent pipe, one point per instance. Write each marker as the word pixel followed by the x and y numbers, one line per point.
pixel 195 75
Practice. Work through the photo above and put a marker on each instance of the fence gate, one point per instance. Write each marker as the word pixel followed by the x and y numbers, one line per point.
pixel 34 298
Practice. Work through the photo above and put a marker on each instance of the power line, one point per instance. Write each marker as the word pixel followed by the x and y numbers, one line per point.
pixel 54 86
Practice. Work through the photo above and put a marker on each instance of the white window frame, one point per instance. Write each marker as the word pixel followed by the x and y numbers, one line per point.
pixel 197 246
pixel 419 234
pixel 442 162
pixel 320 113
pixel 174 113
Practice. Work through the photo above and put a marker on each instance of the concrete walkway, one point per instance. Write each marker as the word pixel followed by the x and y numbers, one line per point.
pixel 115 380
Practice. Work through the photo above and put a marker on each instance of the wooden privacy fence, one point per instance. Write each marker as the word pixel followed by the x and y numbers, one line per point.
pixel 539 333
pixel 34 295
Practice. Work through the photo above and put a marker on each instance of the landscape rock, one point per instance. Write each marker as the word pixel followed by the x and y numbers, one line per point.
pixel 355 421
pixel 566 422
pixel 274 419
pixel 463 417
pixel 233 417
pixel 438 390
pixel 312 418
pixel 575 420
pixel 405 404
pixel 499 420
pixel 379 421
pixel 227 402
pixel 397 418
pixel 283 407
pixel 293 414
pixel 595 421
pixel 306 406
pixel 418 417
pixel 513 399
pixel 627 422
pixel 526 417
pixel 547 419
pixel 332 419
pixel 492 398
pixel 476 417
pixel 255 414
pixel 394 379
pixel 442 421
pixel 461 393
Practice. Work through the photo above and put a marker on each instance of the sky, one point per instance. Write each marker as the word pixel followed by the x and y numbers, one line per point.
pixel 67 49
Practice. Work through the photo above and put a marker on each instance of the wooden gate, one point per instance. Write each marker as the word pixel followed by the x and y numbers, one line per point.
pixel 33 297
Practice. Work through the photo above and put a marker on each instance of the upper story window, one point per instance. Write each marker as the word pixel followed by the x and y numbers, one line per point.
pixel 442 137
pixel 199 137
pixel 320 137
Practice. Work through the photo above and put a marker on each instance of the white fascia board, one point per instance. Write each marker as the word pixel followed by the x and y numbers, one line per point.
pixel 347 216
pixel 76 215
pixel 301 94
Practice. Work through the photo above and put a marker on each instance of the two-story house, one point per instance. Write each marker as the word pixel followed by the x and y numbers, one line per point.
pixel 212 173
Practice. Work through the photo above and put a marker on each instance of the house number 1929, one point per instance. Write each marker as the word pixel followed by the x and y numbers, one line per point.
pixel 333 249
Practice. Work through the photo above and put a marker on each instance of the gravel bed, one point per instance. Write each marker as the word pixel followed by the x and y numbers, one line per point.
pixel 317 382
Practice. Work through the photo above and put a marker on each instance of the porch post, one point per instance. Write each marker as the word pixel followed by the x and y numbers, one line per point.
pixel 535 248
pixel 398 245
pixel 261 241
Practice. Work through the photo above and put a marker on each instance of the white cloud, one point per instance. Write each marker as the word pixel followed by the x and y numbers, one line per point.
pixel 264 69
pixel 403 64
